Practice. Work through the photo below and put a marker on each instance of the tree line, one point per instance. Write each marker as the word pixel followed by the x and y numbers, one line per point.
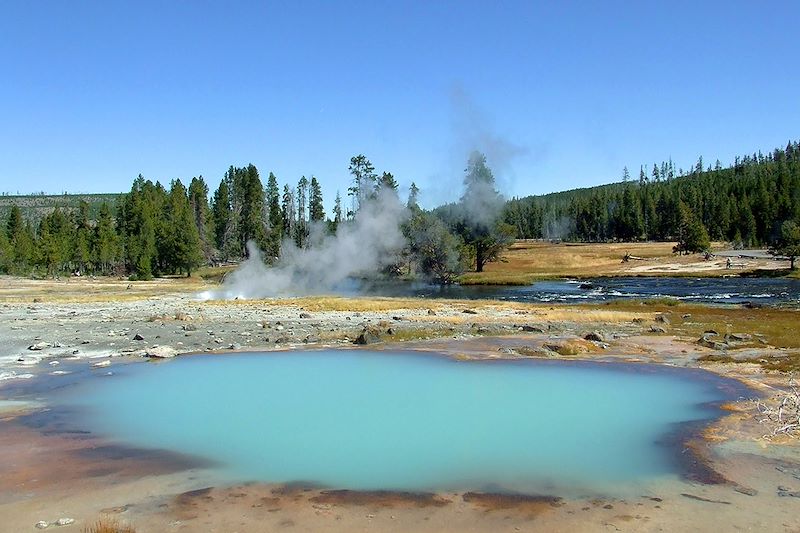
pixel 154 231
pixel 747 203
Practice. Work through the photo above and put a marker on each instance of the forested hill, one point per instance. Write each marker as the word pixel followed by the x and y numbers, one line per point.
pixel 744 203
pixel 34 207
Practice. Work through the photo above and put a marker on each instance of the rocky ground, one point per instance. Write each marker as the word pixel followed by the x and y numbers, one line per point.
pixel 48 474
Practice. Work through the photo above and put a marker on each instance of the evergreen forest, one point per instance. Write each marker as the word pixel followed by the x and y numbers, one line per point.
pixel 153 230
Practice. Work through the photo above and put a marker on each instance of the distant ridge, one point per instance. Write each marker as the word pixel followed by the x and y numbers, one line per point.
pixel 35 206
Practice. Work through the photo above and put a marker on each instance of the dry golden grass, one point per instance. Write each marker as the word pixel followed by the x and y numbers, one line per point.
pixel 89 290
pixel 527 261
pixel 106 525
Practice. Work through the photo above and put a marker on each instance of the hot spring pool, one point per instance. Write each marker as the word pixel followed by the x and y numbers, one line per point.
pixel 406 421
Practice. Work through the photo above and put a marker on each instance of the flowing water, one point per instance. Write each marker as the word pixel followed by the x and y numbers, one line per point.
pixel 408 421
pixel 731 290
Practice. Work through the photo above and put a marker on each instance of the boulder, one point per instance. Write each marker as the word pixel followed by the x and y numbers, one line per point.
pixel 189 327
pixel 160 352
pixel 138 337
pixel 41 524
pixel 595 336
pixel 531 329
pixel 661 318
pixel 305 315
pixel 39 346
pixel 657 329
pixel 741 337
pixel 431 312
pixel 469 312
pixel 368 336
pixel 707 341
pixel 64 521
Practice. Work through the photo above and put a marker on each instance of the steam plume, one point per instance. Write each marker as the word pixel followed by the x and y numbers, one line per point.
pixel 362 246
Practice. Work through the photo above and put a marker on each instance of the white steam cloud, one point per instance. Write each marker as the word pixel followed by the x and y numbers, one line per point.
pixel 359 247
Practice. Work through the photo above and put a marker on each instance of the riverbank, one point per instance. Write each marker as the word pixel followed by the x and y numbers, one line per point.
pixel 51 472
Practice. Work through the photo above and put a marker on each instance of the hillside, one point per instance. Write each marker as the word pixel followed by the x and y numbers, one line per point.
pixel 745 203
pixel 34 207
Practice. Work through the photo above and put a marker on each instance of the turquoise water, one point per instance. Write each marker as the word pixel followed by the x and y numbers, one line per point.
pixel 404 421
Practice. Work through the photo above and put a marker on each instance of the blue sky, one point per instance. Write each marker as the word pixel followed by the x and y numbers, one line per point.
pixel 558 95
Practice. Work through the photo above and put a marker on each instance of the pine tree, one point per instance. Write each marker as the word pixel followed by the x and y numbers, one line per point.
pixel 6 255
pixel 198 201
pixel 413 197
pixel 20 238
pixel 81 248
pixel 301 229
pixel 338 215
pixel 363 182
pixel 104 241
pixel 221 215
pixel 252 220
pixel 274 217
pixel 386 182
pixel 315 208
pixel 139 226
pixel 288 212
pixel 788 242
pixel 184 250
pixel 479 210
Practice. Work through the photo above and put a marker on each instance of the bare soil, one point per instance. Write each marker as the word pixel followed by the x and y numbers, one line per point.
pixel 48 473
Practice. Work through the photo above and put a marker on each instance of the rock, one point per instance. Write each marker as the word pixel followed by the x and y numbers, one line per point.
pixel 368 336
pixel 662 318
pixel 657 329
pixel 390 331
pixel 595 336
pixel 279 327
pixel 160 352
pixel 708 342
pixel 531 329
pixel 638 320
pixel 687 315
pixel 39 346
pixel 283 339
pixel 431 312
pixel 41 524
pixel 741 337
pixel 64 521
pixel 189 327
pixel 567 347
pixel 469 312
pixel 747 491
pixel 138 337
pixel 788 493
pixel 710 332
pixel 234 346
pixel 305 315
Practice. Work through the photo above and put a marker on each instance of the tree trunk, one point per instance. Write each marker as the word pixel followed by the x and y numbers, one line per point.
pixel 479 257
